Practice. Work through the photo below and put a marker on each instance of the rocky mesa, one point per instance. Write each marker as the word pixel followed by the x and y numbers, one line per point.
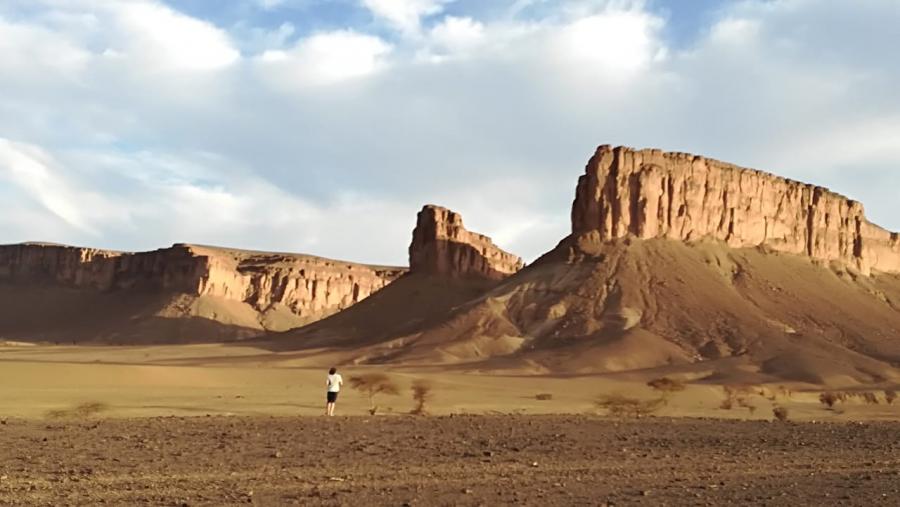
pixel 193 293
pixel 449 266
pixel 442 245
pixel 251 290
pixel 654 194
pixel 311 287
pixel 676 265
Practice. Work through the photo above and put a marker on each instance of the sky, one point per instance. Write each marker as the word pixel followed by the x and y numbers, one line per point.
pixel 323 126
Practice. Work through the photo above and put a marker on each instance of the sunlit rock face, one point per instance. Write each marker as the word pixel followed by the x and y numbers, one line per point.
pixel 655 194
pixel 442 245
pixel 311 287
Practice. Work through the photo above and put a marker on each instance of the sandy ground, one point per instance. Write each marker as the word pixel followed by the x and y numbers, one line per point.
pixel 240 380
pixel 447 460
pixel 90 425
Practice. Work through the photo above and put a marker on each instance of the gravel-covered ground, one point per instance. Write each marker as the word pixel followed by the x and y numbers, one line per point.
pixel 461 460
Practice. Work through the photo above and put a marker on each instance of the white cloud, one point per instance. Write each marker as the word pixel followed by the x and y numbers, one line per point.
pixel 612 41
pixel 38 176
pixel 455 35
pixel 33 50
pixel 325 58
pixel 330 143
pixel 165 39
pixel 405 15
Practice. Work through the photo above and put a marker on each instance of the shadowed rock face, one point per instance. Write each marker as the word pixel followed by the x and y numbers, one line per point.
pixel 310 287
pixel 655 194
pixel 442 245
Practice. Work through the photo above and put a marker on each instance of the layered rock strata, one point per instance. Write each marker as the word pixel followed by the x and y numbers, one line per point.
pixel 311 287
pixel 654 194
pixel 442 245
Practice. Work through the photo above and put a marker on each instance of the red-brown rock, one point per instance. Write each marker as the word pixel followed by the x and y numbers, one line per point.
pixel 654 194
pixel 442 245
pixel 310 287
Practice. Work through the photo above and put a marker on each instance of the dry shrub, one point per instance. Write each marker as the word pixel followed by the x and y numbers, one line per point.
pixel 889 396
pixel 543 396
pixel 83 410
pixel 831 398
pixel 373 384
pixel 737 396
pixel 619 405
pixel 780 413
pixel 667 385
pixel 869 398
pixel 422 394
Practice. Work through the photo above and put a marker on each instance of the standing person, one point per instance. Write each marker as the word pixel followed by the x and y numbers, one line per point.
pixel 333 383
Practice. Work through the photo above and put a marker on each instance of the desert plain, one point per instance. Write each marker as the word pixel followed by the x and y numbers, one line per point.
pixel 229 424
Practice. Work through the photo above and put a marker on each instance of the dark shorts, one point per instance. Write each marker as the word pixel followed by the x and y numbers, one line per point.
pixel 331 397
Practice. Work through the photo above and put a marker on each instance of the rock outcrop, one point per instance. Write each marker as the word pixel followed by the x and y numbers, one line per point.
pixel 442 245
pixel 654 194
pixel 310 287
pixel 674 263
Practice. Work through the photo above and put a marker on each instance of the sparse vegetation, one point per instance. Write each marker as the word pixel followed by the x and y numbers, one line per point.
pixel 738 396
pixel 543 396
pixel 667 385
pixel 80 411
pixel 619 405
pixel 890 396
pixel 869 397
pixel 784 392
pixel 831 398
pixel 780 413
pixel 373 384
pixel 422 393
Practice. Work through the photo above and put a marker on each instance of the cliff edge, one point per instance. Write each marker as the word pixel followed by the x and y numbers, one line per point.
pixel 246 292
pixel 442 245
pixel 654 194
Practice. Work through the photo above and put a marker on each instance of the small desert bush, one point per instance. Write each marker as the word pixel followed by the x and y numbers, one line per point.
pixel 618 405
pixel 667 385
pixel 737 396
pixel 869 397
pixel 543 396
pixel 780 413
pixel 831 398
pixel 422 394
pixel 373 384
pixel 889 396
pixel 83 410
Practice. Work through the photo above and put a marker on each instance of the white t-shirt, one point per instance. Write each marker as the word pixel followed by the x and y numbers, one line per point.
pixel 334 383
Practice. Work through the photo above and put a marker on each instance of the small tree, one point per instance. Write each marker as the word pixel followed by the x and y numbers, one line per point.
pixel 666 385
pixel 373 384
pixel 869 398
pixel 829 398
pixel 421 392
pixel 619 405
pixel 780 413
pixel 737 395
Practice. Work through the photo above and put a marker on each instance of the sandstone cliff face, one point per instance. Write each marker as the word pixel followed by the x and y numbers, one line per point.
pixel 442 245
pixel 655 194
pixel 311 287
